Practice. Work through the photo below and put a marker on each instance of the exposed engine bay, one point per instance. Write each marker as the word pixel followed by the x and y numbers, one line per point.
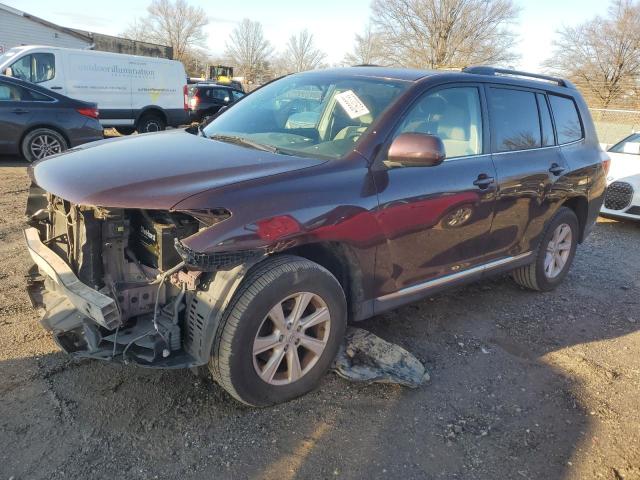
pixel 119 288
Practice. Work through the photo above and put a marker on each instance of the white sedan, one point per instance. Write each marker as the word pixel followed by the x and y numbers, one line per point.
pixel 622 198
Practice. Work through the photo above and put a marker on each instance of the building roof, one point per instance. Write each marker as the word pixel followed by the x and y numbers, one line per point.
pixel 53 26
pixel 81 34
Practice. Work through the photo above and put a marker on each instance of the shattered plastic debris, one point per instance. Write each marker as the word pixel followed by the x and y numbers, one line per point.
pixel 365 357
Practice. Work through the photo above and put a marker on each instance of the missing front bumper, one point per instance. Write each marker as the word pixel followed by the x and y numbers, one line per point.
pixel 89 302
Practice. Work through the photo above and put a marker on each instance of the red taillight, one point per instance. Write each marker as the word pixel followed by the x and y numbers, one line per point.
pixel 606 162
pixel 88 112
pixel 185 92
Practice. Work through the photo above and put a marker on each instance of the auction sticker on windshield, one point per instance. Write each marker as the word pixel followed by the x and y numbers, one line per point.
pixel 352 104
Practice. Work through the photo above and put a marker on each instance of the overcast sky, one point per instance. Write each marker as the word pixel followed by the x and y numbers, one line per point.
pixel 332 22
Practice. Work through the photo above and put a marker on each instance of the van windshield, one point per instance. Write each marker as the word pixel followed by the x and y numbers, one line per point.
pixel 315 115
pixel 7 56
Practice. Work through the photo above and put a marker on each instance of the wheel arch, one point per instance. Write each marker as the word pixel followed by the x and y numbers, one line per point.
pixel 580 206
pixel 56 129
pixel 343 264
pixel 151 110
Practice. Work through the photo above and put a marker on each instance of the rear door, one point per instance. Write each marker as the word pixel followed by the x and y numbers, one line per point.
pixel 529 168
pixel 436 219
pixel 14 116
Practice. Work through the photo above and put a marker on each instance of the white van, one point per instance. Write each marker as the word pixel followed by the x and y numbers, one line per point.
pixel 132 92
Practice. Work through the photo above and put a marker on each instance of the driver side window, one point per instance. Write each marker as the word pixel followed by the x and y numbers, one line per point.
pixel 35 68
pixel 454 115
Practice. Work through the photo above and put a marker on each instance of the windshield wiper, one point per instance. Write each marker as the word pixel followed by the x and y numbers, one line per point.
pixel 246 142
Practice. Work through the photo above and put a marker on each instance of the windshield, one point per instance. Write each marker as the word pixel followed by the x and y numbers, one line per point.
pixel 307 115
pixel 630 145
pixel 9 54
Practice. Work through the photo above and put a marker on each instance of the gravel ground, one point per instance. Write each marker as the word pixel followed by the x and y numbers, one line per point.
pixel 523 385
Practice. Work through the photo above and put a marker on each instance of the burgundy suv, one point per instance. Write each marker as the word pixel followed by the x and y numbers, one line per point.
pixel 321 198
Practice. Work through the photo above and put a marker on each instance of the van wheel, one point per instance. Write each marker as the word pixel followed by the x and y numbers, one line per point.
pixel 554 256
pixel 41 143
pixel 280 332
pixel 151 123
pixel 125 130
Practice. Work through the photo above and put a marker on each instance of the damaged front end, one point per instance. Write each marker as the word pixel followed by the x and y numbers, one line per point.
pixel 114 286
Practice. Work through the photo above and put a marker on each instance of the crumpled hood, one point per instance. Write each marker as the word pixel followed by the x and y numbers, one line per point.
pixel 155 171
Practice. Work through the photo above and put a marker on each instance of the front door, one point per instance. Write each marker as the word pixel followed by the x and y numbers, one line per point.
pixel 436 219
pixel 39 68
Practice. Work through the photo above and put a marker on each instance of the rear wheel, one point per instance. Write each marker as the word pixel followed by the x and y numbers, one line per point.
pixel 125 130
pixel 151 123
pixel 41 143
pixel 554 256
pixel 280 333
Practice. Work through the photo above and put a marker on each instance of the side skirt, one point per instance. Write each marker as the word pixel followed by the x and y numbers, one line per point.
pixel 421 290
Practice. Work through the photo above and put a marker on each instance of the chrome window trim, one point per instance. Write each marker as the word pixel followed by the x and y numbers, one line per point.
pixel 450 278
pixel 538 148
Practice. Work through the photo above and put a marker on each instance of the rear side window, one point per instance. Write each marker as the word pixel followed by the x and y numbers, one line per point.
pixel 545 121
pixel 514 119
pixel 568 124
pixel 10 93
pixel 219 94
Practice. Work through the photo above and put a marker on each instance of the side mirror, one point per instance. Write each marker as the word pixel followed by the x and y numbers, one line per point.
pixel 416 150
pixel 8 72
pixel 226 99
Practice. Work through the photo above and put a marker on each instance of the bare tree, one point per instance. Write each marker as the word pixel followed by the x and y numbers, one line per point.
pixel 301 53
pixel 446 33
pixel 249 50
pixel 367 50
pixel 602 56
pixel 173 23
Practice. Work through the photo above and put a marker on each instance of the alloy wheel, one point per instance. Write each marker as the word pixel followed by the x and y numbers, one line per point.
pixel 558 250
pixel 44 145
pixel 291 338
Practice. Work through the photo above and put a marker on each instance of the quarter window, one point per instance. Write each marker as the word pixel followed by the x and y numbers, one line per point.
pixel 452 114
pixel 514 119
pixel 236 95
pixel 568 124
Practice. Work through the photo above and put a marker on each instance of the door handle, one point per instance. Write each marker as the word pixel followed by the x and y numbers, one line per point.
pixel 483 181
pixel 56 88
pixel 556 169
pixel 19 111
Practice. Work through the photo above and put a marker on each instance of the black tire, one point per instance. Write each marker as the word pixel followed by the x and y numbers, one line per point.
pixel 267 284
pixel 533 276
pixel 125 130
pixel 151 123
pixel 44 140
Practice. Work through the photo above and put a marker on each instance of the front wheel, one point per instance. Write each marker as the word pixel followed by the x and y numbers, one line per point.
pixel 280 332
pixel 41 143
pixel 554 256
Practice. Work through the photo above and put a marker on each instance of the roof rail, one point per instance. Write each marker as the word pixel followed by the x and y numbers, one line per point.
pixel 486 70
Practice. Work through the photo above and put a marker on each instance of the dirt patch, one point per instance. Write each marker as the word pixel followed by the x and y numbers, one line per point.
pixel 523 385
